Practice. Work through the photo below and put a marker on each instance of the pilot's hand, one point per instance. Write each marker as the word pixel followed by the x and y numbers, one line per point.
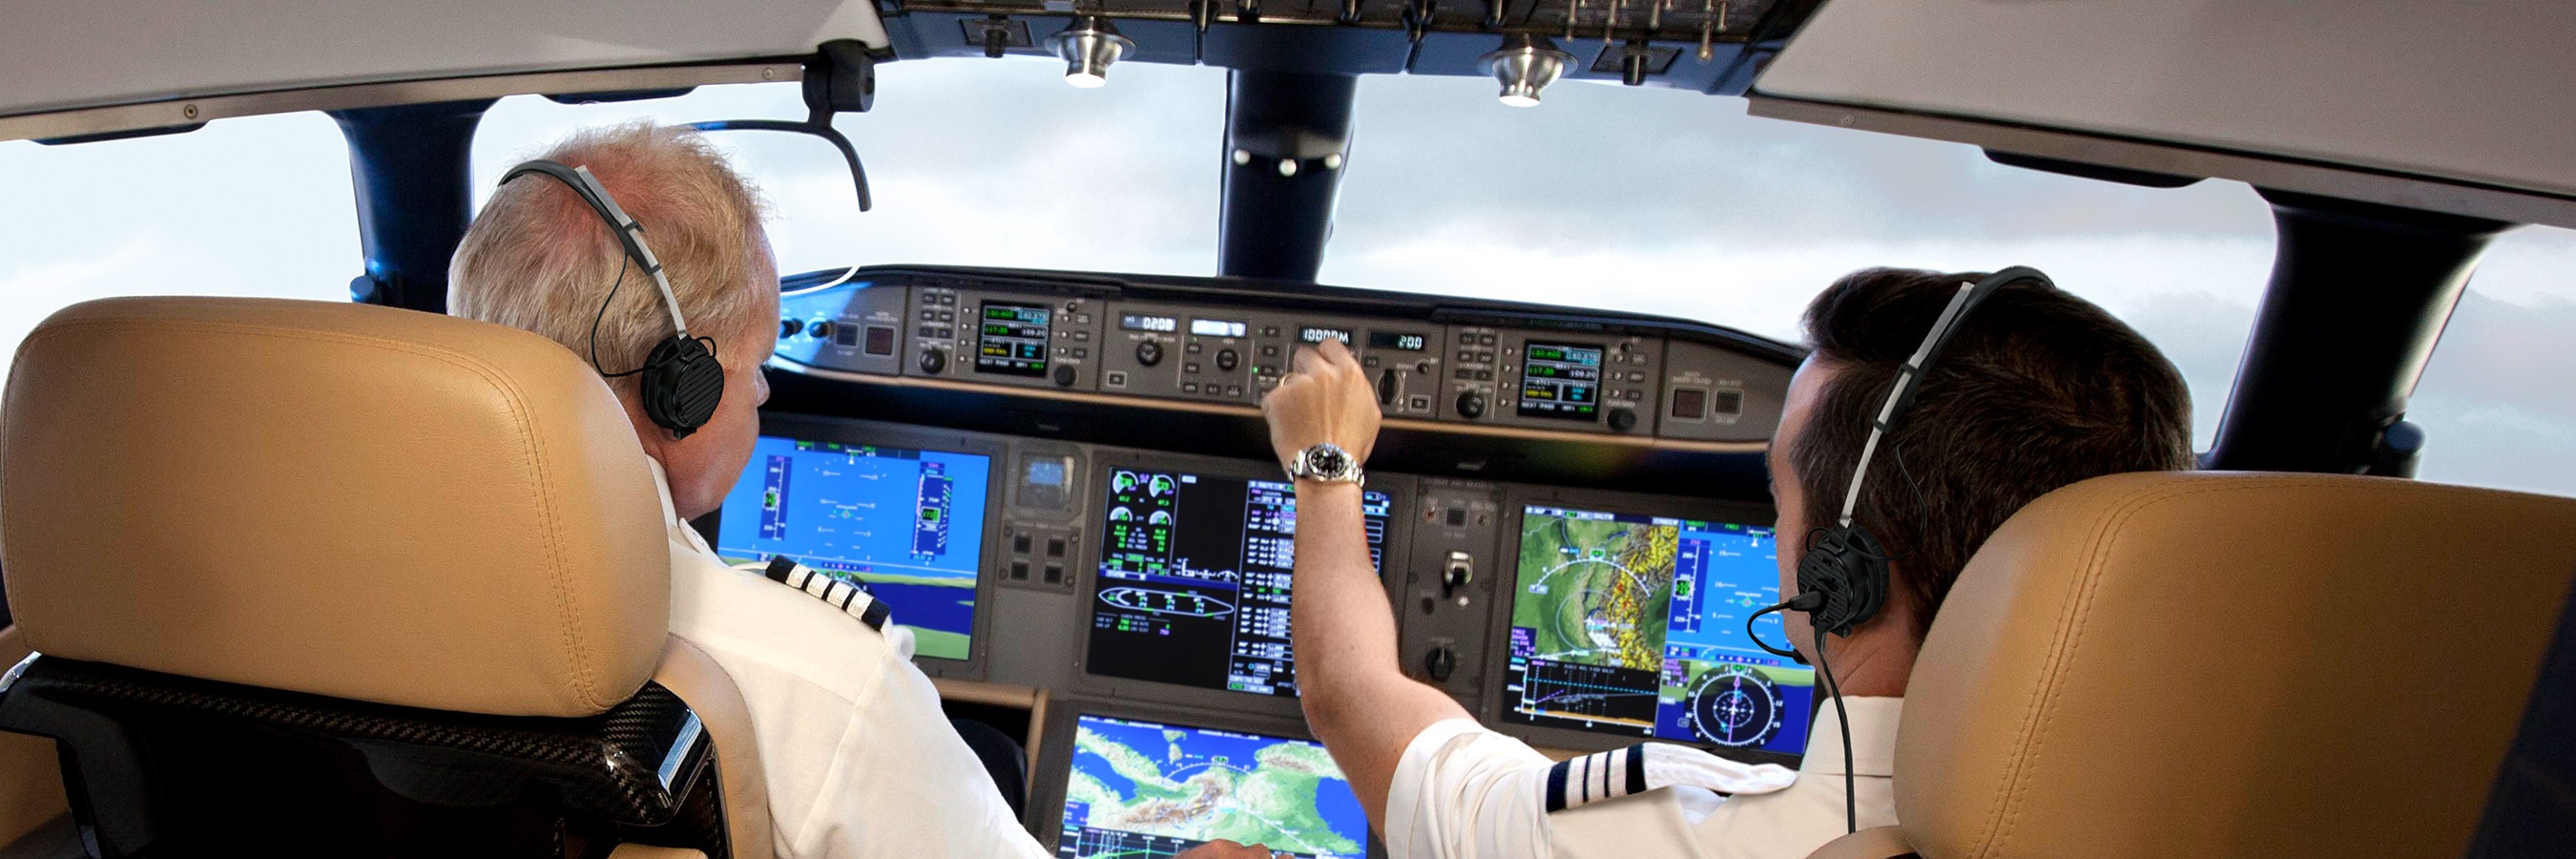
pixel 1327 399
pixel 1223 849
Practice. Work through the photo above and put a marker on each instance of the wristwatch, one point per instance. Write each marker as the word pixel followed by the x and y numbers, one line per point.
pixel 1326 462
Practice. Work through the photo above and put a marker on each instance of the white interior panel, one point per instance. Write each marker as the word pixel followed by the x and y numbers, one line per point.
pixel 2478 92
pixel 98 52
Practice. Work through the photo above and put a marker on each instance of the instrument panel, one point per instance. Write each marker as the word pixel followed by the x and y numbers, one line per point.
pixel 1124 544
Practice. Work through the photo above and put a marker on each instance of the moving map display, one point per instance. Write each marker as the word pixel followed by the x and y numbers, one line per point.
pixel 1635 625
pixel 1195 579
pixel 1142 790
pixel 907 524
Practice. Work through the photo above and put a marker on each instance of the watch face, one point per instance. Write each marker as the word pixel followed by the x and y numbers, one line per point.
pixel 1328 462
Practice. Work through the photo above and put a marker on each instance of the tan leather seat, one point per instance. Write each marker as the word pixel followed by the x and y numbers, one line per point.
pixel 349 501
pixel 2222 665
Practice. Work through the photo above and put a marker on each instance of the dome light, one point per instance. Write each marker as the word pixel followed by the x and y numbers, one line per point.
pixel 1088 46
pixel 1525 65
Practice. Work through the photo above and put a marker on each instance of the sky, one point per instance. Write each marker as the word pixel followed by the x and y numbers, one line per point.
pixel 1638 199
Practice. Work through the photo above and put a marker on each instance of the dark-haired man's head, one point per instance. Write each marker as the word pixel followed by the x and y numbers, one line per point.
pixel 2037 389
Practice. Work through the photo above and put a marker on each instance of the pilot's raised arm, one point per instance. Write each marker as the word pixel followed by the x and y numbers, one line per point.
pixel 858 759
pixel 1436 784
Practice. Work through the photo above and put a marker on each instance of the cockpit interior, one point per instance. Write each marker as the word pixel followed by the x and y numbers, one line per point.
pixel 1058 483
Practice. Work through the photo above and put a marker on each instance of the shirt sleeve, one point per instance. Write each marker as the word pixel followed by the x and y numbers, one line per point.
pixel 903 784
pixel 1464 791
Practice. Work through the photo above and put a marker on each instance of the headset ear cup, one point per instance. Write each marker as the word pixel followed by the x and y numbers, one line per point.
pixel 1846 565
pixel 682 384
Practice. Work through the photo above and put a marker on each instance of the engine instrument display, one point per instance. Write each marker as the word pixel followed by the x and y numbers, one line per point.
pixel 1013 341
pixel 1560 380
pixel 907 525
pixel 1635 625
pixel 1195 579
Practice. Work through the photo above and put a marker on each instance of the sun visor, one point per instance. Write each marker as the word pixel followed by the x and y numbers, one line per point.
pixel 63 56
pixel 2387 99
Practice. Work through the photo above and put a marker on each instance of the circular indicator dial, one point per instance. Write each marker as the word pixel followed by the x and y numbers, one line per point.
pixel 1735 706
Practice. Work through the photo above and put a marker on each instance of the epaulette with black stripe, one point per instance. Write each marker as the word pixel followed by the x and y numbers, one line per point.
pixel 847 595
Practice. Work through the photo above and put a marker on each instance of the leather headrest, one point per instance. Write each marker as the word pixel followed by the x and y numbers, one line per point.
pixel 2232 665
pixel 339 499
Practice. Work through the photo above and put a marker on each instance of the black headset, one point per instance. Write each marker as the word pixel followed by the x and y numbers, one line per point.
pixel 1843 578
pixel 681 381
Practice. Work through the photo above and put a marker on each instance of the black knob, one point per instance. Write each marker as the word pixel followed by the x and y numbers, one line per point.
pixel 1064 375
pixel 1386 387
pixel 1149 353
pixel 1440 663
pixel 1471 405
pixel 788 327
pixel 820 328
pixel 1226 359
pixel 933 360
pixel 1623 420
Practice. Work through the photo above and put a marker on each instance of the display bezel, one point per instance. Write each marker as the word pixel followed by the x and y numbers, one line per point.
pixel 998 463
pixel 1054 753
pixel 1516 501
pixel 1600 386
pixel 983 309
pixel 1399 490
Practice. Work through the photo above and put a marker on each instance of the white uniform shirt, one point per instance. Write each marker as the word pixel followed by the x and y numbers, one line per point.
pixel 860 760
pixel 1463 791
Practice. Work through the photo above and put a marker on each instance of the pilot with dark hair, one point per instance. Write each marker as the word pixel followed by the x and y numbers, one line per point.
pixel 2038 389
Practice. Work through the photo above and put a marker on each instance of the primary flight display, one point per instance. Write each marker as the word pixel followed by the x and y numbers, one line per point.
pixel 907 524
pixel 1635 624
pixel 1145 789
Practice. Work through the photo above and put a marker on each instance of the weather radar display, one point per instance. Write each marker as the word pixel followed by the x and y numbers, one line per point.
pixel 1141 790
pixel 1636 625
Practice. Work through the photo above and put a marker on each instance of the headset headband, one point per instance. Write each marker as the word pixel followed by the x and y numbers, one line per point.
pixel 1900 396
pixel 629 233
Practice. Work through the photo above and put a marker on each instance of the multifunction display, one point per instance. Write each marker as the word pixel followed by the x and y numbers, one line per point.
pixel 1195 576
pixel 1636 625
pixel 907 525
pixel 1013 341
pixel 1560 380
pixel 1147 789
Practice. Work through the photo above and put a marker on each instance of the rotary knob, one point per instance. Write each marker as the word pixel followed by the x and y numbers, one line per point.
pixel 933 360
pixel 1623 420
pixel 1440 663
pixel 1226 359
pixel 1149 353
pixel 1064 375
pixel 1471 405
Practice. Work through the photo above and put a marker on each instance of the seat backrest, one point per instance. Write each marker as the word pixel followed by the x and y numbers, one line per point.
pixel 2217 665
pixel 310 543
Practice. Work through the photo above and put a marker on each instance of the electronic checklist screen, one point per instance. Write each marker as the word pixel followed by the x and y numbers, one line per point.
pixel 1145 790
pixel 908 524
pixel 1195 577
pixel 1635 624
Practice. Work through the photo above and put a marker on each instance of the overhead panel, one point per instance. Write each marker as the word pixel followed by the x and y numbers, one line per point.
pixel 2468 96
pixel 59 56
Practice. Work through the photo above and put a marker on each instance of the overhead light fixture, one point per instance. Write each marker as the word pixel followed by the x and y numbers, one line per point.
pixel 1525 65
pixel 1088 46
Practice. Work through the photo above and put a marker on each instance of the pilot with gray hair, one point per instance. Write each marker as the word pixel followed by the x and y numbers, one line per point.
pixel 859 759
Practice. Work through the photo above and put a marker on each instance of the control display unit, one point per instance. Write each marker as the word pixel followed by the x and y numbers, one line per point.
pixel 1013 341
pixel 1561 380
pixel 1195 579
pixel 906 524
pixel 1141 789
pixel 1635 625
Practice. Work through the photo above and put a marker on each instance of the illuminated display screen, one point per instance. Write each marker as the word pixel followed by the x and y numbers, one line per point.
pixel 1194 579
pixel 907 524
pixel 1216 328
pixel 1635 625
pixel 1147 789
pixel 1318 335
pixel 1013 341
pixel 1560 380
pixel 1141 322
pixel 1398 340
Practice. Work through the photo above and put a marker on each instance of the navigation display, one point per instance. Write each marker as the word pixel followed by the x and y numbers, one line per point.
pixel 1014 339
pixel 1142 790
pixel 907 524
pixel 1560 380
pixel 1635 625
pixel 1195 579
